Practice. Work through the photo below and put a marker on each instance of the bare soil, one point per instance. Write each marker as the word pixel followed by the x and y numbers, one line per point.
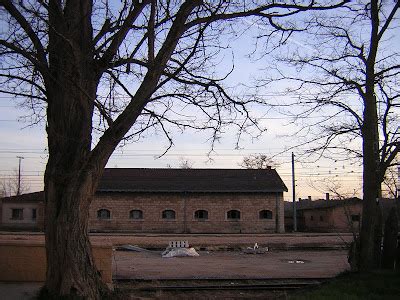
pixel 289 256
pixel 230 265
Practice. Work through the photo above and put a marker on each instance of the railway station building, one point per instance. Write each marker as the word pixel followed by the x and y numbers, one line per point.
pixel 170 201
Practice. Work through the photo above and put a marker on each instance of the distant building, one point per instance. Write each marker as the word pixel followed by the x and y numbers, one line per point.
pixel 22 212
pixel 172 201
pixel 330 215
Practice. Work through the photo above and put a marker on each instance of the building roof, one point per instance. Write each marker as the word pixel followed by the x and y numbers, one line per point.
pixel 306 204
pixel 321 204
pixel 180 180
pixel 25 198
pixel 191 180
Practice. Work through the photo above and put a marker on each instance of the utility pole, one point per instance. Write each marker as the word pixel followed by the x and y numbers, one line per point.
pixel 294 196
pixel 19 175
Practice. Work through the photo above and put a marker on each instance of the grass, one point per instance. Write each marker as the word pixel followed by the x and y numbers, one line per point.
pixel 374 285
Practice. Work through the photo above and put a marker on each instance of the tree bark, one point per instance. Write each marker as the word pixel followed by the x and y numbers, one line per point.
pixel 69 185
pixel 69 181
pixel 70 269
pixel 371 186
pixel 390 240
pixel 370 135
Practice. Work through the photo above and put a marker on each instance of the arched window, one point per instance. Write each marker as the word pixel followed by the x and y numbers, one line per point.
pixel 168 214
pixel 233 214
pixel 103 214
pixel 265 214
pixel 136 214
pixel 201 214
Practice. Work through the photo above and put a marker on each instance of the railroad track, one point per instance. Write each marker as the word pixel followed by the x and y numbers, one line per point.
pixel 218 285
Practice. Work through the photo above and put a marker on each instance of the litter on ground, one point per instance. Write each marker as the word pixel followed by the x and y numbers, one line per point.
pixel 179 252
pixel 256 249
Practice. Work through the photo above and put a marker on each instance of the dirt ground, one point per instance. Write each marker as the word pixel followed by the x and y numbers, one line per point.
pixel 290 256
pixel 230 265
pixel 277 263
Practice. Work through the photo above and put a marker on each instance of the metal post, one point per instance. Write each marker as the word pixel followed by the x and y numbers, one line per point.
pixel 294 196
pixel 19 175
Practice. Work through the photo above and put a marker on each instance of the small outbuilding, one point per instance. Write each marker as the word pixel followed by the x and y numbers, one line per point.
pixel 23 212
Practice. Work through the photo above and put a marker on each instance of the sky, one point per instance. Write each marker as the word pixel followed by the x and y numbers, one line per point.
pixel 313 178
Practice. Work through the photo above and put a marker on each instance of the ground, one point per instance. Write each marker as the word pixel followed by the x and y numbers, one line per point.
pixel 230 265
pixel 221 257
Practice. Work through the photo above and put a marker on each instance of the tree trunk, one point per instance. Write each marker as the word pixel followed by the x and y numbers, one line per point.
pixel 372 176
pixel 354 253
pixel 390 240
pixel 397 265
pixel 70 183
pixel 377 256
pixel 371 186
pixel 69 186
pixel 70 266
pixel 70 180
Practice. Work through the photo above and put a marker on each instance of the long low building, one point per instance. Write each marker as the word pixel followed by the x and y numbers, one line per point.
pixel 171 201
pixel 340 215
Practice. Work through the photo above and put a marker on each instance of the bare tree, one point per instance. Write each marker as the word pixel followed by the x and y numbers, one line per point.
pixel 257 161
pixel 101 72
pixel 185 163
pixel 10 185
pixel 345 89
pixel 391 181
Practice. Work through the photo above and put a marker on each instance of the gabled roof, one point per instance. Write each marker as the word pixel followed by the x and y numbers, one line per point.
pixel 191 180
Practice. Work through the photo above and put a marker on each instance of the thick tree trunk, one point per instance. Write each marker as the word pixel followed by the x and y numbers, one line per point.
pixel 70 180
pixel 371 188
pixel 69 186
pixel 71 270
pixel 372 175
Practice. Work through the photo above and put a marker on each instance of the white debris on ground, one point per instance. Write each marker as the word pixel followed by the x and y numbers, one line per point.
pixel 256 249
pixel 179 252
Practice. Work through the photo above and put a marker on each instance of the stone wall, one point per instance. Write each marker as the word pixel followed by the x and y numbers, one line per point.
pixel 185 205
